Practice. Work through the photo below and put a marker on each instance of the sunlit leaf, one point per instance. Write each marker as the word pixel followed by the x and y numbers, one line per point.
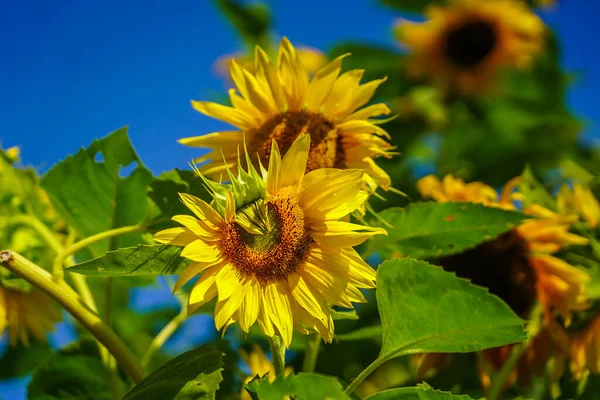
pixel 158 259
pixel 416 393
pixel 76 372
pixel 339 315
pixel 195 374
pixel 301 386
pixel 425 309
pixel 439 229
pixel 90 193
pixel 534 191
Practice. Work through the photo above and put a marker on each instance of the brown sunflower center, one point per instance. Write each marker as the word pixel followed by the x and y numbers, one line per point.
pixel 502 266
pixel 325 144
pixel 277 252
pixel 467 45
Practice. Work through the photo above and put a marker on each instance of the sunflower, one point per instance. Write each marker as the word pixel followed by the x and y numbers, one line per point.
pixel 258 364
pixel 464 44
pixel 273 249
pixel 519 267
pixel 22 313
pixel 312 59
pixel 280 101
pixel 580 201
pixel 522 261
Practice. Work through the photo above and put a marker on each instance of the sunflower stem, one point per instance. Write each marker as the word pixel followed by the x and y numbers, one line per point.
pixel 363 375
pixel 311 353
pixel 57 267
pixel 499 381
pixel 62 293
pixel 278 354
pixel 164 335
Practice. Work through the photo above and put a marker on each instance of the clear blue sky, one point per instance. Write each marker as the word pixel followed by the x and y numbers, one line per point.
pixel 71 71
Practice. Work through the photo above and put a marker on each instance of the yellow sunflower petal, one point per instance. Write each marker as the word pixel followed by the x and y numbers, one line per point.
pixel 230 115
pixel 294 162
pixel 343 234
pixel 201 209
pixel 193 270
pixel 175 236
pixel 201 251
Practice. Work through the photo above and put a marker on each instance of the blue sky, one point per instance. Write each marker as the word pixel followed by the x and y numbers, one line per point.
pixel 72 71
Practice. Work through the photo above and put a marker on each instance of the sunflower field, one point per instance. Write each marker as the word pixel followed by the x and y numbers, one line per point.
pixel 416 221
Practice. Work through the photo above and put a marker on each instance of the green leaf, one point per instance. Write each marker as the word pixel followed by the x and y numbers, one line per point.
pixel 411 5
pixel 251 21
pixel 157 259
pixel 425 309
pixel 416 393
pixel 439 229
pixel 301 387
pixel 164 196
pixel 195 374
pixel 76 372
pixel 93 197
pixel 20 360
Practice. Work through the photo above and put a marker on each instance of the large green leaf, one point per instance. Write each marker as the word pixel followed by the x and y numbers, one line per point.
pixel 164 191
pixel 76 372
pixel 195 374
pixel 301 387
pixel 20 360
pixel 158 259
pixel 87 189
pixel 439 229
pixel 425 309
pixel 416 393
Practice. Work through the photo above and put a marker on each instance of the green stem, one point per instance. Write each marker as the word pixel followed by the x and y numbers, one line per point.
pixel 69 300
pixel 363 375
pixel 59 261
pixel 163 336
pixel 499 381
pixel 311 353
pixel 41 229
pixel 278 354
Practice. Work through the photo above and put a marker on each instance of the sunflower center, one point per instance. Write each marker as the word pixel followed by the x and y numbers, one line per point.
pixel 275 253
pixel 468 44
pixel 325 144
pixel 502 266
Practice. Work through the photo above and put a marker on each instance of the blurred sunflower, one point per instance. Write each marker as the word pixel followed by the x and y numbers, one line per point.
pixel 280 101
pixel 258 364
pixel 463 45
pixel 22 313
pixel 273 249
pixel 580 201
pixel 519 266
pixel 312 59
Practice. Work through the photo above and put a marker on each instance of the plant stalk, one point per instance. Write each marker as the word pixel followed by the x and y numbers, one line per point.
pixel 70 301
pixel 311 353
pixel 278 354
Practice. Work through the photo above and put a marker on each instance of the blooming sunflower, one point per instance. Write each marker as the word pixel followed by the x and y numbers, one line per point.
pixel 578 200
pixel 23 313
pixel 520 266
pixel 280 101
pixel 273 249
pixel 258 364
pixel 464 44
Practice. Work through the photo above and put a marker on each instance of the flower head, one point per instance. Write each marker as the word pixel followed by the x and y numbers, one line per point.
pixel 584 351
pixel 522 260
pixel 463 45
pixel 280 101
pixel 272 248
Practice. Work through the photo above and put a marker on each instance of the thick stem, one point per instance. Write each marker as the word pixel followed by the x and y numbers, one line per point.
pixel 70 301
pixel 499 381
pixel 59 261
pixel 311 353
pixel 363 375
pixel 278 354
pixel 164 335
